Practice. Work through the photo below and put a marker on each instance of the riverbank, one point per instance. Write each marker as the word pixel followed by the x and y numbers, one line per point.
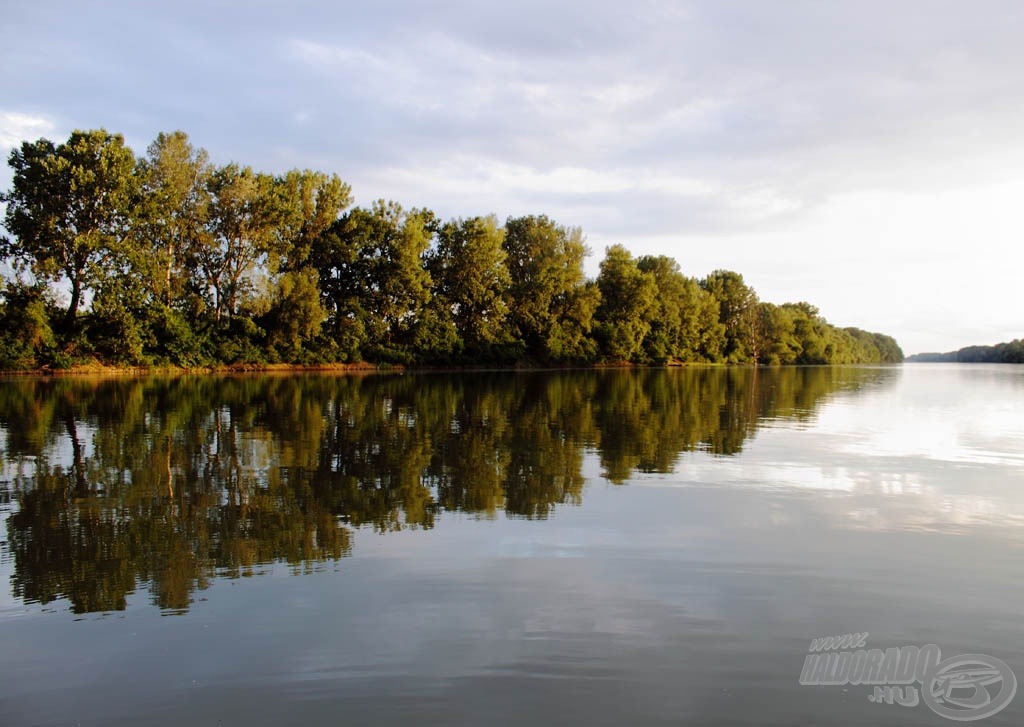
pixel 98 369
pixel 106 370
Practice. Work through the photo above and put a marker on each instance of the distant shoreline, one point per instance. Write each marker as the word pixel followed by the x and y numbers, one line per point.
pixel 1007 352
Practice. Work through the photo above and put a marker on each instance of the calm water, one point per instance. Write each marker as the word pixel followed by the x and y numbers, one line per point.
pixel 613 547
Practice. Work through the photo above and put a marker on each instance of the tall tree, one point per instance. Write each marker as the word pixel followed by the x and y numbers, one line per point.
pixel 628 298
pixel 69 208
pixel 684 324
pixel 551 307
pixel 174 208
pixel 308 203
pixel 775 327
pixel 373 277
pixel 811 333
pixel 471 279
pixel 737 303
pixel 306 206
pixel 242 223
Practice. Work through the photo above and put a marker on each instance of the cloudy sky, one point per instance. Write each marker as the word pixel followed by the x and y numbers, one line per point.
pixel 865 156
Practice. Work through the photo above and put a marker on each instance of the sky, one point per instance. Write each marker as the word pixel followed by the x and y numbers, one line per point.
pixel 866 157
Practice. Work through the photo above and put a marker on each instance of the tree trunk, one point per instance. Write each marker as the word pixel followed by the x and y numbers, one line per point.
pixel 170 265
pixel 76 297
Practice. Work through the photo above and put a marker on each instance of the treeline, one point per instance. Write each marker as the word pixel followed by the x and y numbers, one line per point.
pixel 1008 352
pixel 168 259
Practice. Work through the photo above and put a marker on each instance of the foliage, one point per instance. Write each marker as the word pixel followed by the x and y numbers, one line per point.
pixel 1006 352
pixel 172 216
pixel 68 209
pixel 25 333
pixel 170 259
pixel 471 282
pixel 737 308
pixel 296 315
pixel 628 300
pixel 684 325
pixel 551 307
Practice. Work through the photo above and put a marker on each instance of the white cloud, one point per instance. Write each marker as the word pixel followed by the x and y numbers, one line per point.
pixel 18 127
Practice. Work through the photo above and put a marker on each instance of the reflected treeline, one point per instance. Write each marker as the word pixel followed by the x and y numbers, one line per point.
pixel 170 482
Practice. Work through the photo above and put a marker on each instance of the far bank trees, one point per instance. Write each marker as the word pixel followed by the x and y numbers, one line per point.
pixel 171 259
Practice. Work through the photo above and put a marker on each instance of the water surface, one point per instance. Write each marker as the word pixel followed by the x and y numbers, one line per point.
pixel 598 547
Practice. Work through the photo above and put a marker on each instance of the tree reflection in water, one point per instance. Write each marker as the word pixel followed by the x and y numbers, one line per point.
pixel 171 482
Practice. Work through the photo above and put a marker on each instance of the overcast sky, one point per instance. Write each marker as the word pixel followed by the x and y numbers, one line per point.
pixel 867 157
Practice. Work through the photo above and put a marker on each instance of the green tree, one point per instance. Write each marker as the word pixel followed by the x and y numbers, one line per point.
pixel 551 307
pixel 243 225
pixel 811 333
pixel 664 340
pixel 628 303
pixel 174 209
pixel 69 209
pixel 684 323
pixel 25 332
pixel 471 281
pixel 296 314
pixel 737 305
pixel 890 352
pixel 776 329
pixel 308 204
pixel 373 278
